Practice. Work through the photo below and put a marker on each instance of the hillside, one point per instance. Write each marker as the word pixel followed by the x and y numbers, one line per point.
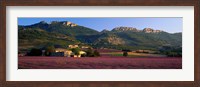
pixel 64 33
pixel 63 27
pixel 132 38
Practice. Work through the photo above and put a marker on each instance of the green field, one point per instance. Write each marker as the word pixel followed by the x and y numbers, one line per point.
pixel 133 54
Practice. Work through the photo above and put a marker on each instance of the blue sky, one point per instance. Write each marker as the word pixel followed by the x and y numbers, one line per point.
pixel 171 25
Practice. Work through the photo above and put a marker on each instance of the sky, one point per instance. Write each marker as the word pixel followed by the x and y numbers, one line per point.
pixel 171 25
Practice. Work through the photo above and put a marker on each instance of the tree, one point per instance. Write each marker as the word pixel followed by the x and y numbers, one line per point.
pixel 89 53
pixel 76 51
pixel 35 52
pixel 96 53
pixel 83 55
pixel 171 51
pixel 125 53
pixel 49 50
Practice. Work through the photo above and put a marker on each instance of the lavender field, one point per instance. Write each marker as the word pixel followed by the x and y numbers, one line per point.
pixel 99 63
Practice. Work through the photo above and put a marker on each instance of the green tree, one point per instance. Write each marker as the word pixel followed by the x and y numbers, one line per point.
pixel 125 53
pixel 89 53
pixel 171 51
pixel 49 50
pixel 35 52
pixel 96 53
pixel 76 51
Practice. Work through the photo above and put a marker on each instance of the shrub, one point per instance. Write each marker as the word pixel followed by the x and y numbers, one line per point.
pixel 89 53
pixel 83 55
pixel 96 53
pixel 75 51
pixel 35 52
pixel 125 54
pixel 171 51
pixel 49 50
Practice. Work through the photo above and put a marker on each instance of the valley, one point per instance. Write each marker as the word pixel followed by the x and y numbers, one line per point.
pixel 66 45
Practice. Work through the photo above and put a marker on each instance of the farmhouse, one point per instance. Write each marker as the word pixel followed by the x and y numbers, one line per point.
pixel 64 51
pixel 80 54
pixel 57 54
pixel 73 46
pixel 84 47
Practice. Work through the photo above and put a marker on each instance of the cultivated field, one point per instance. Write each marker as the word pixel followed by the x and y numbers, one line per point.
pixel 105 62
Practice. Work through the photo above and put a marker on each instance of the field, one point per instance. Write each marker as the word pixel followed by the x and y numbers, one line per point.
pixel 133 54
pixel 105 62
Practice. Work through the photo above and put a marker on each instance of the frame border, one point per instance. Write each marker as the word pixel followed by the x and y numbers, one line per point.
pixel 4 3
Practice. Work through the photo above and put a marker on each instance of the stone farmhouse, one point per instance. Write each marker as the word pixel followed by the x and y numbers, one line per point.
pixel 66 52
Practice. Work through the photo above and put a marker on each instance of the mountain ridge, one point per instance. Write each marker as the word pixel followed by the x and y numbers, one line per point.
pixel 120 28
pixel 117 38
